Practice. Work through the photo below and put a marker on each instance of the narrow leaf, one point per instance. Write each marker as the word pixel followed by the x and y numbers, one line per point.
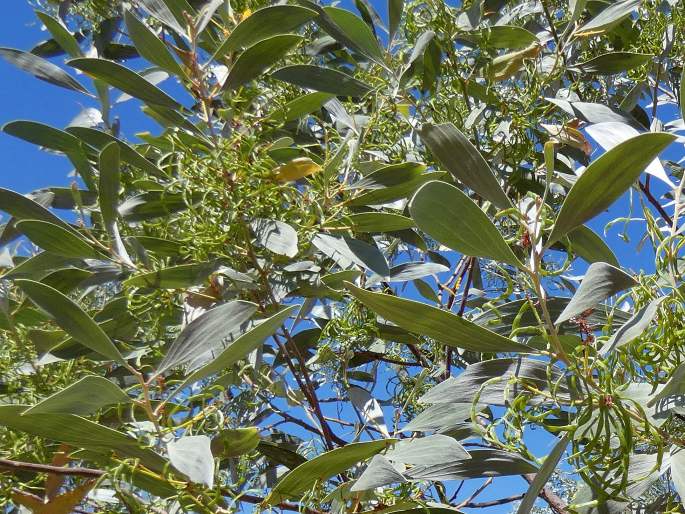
pixel 326 80
pixel 601 281
pixel 71 318
pixel 378 473
pixel 41 69
pixel 456 153
pixel 438 324
pixel 56 239
pixel 347 251
pixel 150 46
pixel 606 179
pixel 542 476
pixel 610 16
pixel 449 216
pixel 124 79
pixel 257 58
pixel 590 246
pixel 322 468
pixel 82 398
pixel 265 23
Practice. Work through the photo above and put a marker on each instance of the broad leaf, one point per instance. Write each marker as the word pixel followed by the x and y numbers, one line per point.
pixel 61 34
pixel 612 63
pixel 208 332
pixel 427 451
pixel 456 153
pixel 161 9
pixel 150 46
pixel 373 222
pixel 476 382
pixel 265 23
pixel 413 270
pixel 124 79
pixel 326 80
pixel 192 456
pixel 174 277
pixel 56 239
pixel 634 327
pixel 601 281
pixel 322 468
pixel 84 397
pixel 610 16
pixel 43 135
pixel 449 216
pixel 483 463
pixel 438 324
pixel 80 433
pixel 378 473
pixel 22 208
pixel 440 416
pixel 606 179
pixel 395 8
pixel 276 236
pixel 356 32
pixel 41 69
pixel 257 58
pixel 233 442
pixel 347 252
pixel 71 318
pixel 590 246
pixel 243 345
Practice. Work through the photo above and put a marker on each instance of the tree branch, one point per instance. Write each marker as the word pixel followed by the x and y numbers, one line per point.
pixel 14 465
pixel 553 500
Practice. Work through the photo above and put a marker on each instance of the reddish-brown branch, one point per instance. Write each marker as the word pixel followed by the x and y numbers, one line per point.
pixel 493 503
pixel 655 203
pixel 14 465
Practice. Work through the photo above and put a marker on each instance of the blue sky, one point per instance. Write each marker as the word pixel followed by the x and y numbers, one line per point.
pixel 24 167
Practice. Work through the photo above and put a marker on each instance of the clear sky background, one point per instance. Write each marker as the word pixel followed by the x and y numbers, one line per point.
pixel 25 168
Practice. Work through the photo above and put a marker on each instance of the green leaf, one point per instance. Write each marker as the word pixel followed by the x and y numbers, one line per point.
pixel 609 17
pixel 301 106
pixel 395 8
pixel 590 246
pixel 542 476
pixel 477 381
pixel 124 79
pixel 100 139
pixel 257 58
pixel 234 442
pixel 456 153
pixel 373 222
pixel 150 46
pixel 438 324
pixel 242 345
pixel 108 197
pixel 509 36
pixel 208 333
pixel 606 179
pixel 440 416
pixel 483 463
pixel 71 318
pixel 192 456
pixel 427 451
pixel 326 80
pixel 53 238
pixel 20 207
pixel 174 277
pixel 356 31
pixel 61 34
pixel 601 281
pixel 611 63
pixel 322 468
pixel 347 251
pixel 41 69
pixel 449 216
pixel 87 396
pixel 276 236
pixel 80 433
pixel 169 12
pixel 378 473
pixel 280 455
pixel 415 270
pixel 156 204
pixel 43 135
pixel 634 327
pixel 265 23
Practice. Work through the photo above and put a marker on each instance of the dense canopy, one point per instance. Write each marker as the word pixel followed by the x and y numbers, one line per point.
pixel 422 256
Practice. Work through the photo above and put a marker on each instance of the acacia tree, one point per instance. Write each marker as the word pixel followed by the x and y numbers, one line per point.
pixel 339 276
